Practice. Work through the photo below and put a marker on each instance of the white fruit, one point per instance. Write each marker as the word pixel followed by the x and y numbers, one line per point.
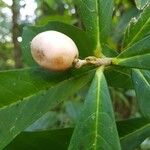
pixel 54 50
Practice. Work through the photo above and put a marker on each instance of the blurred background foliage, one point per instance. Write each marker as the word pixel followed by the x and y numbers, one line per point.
pixel 15 14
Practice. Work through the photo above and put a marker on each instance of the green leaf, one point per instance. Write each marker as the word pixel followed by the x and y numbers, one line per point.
pixel 109 52
pixel 47 121
pixel 124 20
pixel 119 77
pixel 133 132
pixel 18 115
pixel 50 3
pixel 79 37
pixel 97 16
pixel 141 3
pixel 64 18
pixel 136 56
pixel 96 128
pixel 42 140
pixel 137 28
pixel 17 84
pixel 141 79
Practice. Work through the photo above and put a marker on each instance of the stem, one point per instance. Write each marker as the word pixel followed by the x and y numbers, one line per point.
pixel 15 34
pixel 93 60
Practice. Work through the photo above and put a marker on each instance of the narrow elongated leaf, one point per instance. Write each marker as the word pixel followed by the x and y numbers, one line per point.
pixel 17 84
pixel 141 79
pixel 141 3
pixel 136 56
pixel 138 28
pixel 133 132
pixel 119 77
pixel 17 116
pixel 96 128
pixel 64 18
pixel 126 17
pixel 79 37
pixel 42 140
pixel 97 16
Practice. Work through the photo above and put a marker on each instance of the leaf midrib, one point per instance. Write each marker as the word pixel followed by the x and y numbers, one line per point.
pixel 131 57
pixel 97 111
pixel 144 79
pixel 43 90
pixel 136 35
pixel 135 131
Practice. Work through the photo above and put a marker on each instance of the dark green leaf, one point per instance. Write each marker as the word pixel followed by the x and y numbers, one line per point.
pixel 17 84
pixel 119 30
pixel 141 80
pixel 136 56
pixel 97 16
pixel 133 132
pixel 81 39
pixel 109 52
pixel 18 115
pixel 118 77
pixel 44 140
pixel 96 128
pixel 138 28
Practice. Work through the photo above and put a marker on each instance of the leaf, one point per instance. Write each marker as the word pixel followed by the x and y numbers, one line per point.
pixel 109 52
pixel 64 18
pixel 96 128
pixel 18 115
pixel 47 121
pixel 118 77
pixel 42 140
pixel 97 16
pixel 141 79
pixel 133 132
pixel 50 3
pixel 124 20
pixel 137 28
pixel 141 3
pixel 17 84
pixel 136 56
pixel 79 37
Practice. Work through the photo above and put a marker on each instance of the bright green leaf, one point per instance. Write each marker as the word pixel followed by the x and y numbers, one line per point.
pixel 136 56
pixel 138 28
pixel 141 3
pixel 50 3
pixel 18 115
pixel 96 128
pixel 97 16
pixel 64 18
pixel 82 40
pixel 141 80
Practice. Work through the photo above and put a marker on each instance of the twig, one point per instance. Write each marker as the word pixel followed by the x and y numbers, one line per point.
pixel 78 63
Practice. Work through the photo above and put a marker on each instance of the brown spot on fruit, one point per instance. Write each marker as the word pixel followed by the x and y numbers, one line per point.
pixel 54 50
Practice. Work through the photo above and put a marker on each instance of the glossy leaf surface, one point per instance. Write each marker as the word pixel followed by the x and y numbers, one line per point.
pixel 91 131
